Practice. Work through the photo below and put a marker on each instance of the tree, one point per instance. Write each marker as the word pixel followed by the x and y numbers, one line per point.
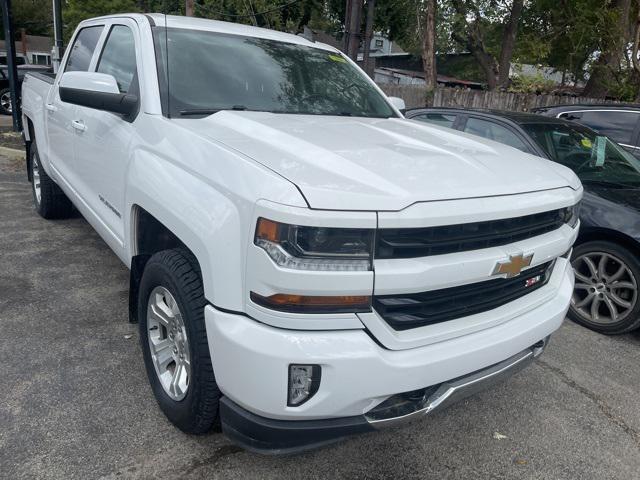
pixel 429 45
pixel 75 11
pixel 32 15
pixel 604 70
pixel 508 43
pixel 475 22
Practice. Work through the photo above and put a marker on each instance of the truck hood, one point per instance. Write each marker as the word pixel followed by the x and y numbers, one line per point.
pixel 348 163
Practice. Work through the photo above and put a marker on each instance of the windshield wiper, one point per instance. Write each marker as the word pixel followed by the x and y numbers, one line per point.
pixel 209 111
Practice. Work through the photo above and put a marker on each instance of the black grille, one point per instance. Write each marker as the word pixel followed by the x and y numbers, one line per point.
pixel 422 242
pixel 403 312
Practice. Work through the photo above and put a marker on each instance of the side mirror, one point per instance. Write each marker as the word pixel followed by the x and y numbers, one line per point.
pixel 398 103
pixel 96 90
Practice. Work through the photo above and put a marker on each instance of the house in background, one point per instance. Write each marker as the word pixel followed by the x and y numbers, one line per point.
pixel 34 49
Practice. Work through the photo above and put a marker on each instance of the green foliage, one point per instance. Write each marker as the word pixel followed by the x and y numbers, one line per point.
pixel 75 11
pixel 531 84
pixel 32 15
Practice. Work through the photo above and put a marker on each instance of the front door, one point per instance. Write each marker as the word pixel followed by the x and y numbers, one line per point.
pixel 104 139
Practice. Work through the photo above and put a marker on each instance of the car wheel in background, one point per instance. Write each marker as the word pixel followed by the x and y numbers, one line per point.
pixel 605 297
pixel 174 340
pixel 5 101
pixel 49 200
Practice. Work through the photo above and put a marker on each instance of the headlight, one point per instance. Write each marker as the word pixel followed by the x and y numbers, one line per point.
pixel 315 248
pixel 571 214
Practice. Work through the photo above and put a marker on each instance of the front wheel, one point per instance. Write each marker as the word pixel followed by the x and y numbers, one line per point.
pixel 605 297
pixel 174 340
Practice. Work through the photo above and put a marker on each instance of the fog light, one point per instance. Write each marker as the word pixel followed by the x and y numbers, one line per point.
pixel 304 381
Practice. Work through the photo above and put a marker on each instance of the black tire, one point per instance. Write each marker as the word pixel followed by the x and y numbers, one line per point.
pixel 630 320
pixel 3 96
pixel 178 271
pixel 53 203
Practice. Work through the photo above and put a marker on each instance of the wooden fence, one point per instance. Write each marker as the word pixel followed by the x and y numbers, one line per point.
pixel 416 96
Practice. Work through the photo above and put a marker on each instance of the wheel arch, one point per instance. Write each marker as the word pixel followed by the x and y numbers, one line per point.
pixel 148 237
pixel 29 138
pixel 608 235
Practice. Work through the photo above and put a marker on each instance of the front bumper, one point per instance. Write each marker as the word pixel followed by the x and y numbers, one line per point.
pixel 269 436
pixel 251 362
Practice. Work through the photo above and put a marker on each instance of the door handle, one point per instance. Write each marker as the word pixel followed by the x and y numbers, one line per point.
pixel 51 107
pixel 79 125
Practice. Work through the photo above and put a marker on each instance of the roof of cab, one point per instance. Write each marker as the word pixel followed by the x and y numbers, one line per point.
pixel 174 21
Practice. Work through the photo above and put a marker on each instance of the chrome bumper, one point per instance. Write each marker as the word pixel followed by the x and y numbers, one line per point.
pixel 410 406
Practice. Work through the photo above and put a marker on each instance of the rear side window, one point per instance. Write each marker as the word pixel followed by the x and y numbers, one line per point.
pixel 119 57
pixel 442 119
pixel 83 48
pixel 493 131
pixel 618 126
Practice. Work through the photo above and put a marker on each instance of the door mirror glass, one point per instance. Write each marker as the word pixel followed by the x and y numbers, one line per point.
pixel 96 90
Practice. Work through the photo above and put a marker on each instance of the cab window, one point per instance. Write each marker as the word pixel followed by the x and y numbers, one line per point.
pixel 119 57
pixel 83 48
pixel 493 131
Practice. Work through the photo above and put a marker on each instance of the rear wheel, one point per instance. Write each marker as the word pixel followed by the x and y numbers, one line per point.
pixel 174 340
pixel 605 297
pixel 49 200
pixel 5 102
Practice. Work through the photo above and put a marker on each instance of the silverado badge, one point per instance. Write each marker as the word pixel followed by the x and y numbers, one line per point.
pixel 513 266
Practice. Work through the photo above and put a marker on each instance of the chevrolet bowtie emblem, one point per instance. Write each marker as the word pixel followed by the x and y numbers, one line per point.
pixel 513 266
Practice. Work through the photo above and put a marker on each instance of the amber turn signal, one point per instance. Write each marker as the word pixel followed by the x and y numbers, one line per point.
pixel 314 304
pixel 267 230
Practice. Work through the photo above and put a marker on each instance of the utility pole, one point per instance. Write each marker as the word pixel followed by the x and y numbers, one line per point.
pixel 188 8
pixel 58 48
pixel 367 63
pixel 10 43
pixel 353 17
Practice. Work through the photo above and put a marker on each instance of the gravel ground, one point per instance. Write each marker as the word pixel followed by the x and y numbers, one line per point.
pixel 76 403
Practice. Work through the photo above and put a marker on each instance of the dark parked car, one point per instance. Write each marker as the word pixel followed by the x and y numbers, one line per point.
pixel 23 69
pixel 607 252
pixel 621 123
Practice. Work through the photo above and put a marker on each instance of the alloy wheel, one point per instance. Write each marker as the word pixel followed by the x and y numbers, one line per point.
pixel 605 291
pixel 168 343
pixel 5 102
pixel 35 177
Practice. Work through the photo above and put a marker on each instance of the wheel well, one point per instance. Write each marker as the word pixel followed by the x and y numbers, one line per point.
pixel 27 147
pixel 605 234
pixel 150 236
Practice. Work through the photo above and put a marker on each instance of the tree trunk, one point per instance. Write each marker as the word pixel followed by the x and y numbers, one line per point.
pixel 508 43
pixel 188 8
pixel 429 46
pixel 474 42
pixel 602 74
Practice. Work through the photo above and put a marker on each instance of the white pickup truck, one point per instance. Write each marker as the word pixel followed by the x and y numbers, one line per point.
pixel 305 263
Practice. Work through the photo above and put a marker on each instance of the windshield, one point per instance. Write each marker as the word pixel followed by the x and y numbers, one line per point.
pixel 210 71
pixel 594 158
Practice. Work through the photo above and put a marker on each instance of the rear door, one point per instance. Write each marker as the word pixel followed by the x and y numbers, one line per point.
pixel 59 115
pixel 102 144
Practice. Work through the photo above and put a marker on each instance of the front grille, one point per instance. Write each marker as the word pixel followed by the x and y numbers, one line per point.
pixel 422 242
pixel 403 312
